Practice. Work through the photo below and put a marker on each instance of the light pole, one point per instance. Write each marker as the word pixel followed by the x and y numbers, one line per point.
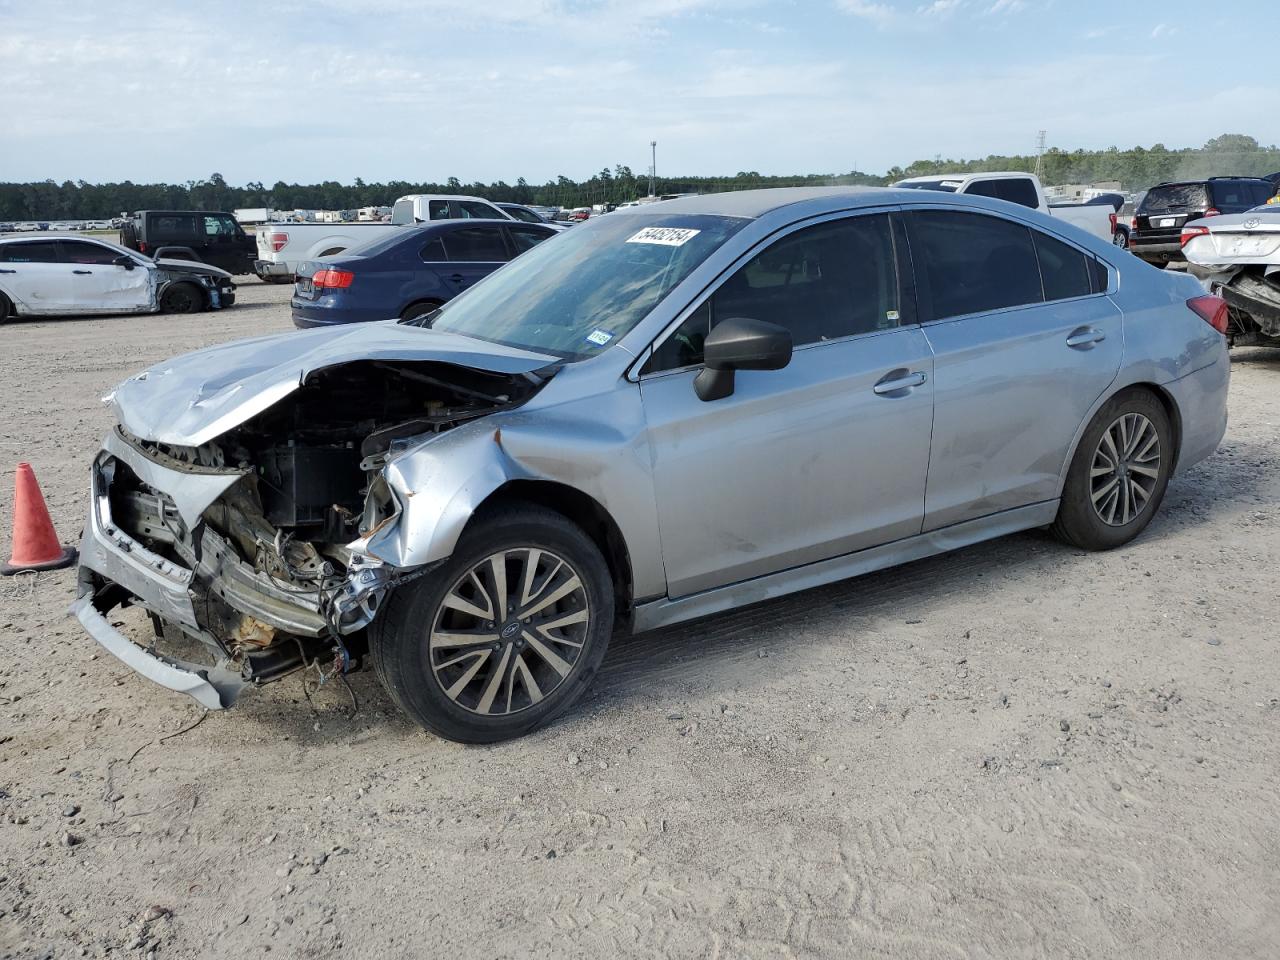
pixel 653 166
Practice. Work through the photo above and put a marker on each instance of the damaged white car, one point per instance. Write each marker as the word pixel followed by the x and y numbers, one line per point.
pixel 69 276
pixel 612 432
pixel 1238 256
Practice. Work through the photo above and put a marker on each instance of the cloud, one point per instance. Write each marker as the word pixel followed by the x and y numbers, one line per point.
pixel 877 13
pixel 1162 30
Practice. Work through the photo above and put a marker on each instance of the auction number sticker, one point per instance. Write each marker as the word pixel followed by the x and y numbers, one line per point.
pixel 599 337
pixel 664 236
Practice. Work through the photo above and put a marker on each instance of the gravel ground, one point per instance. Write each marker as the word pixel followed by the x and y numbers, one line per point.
pixel 1016 750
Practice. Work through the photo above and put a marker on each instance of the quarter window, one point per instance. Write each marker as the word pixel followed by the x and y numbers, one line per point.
pixel 825 282
pixel 974 263
pixel 476 245
pixel 1064 269
pixel 433 252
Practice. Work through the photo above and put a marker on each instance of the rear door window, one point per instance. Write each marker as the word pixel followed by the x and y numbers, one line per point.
pixel 1063 269
pixel 972 263
pixel 219 226
pixel 438 210
pixel 38 251
pixel 476 245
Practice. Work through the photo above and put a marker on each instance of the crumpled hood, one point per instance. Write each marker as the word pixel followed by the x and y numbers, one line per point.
pixel 196 397
pixel 192 266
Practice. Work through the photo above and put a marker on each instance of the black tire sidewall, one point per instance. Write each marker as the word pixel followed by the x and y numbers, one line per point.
pixel 181 289
pixel 6 308
pixel 1077 522
pixel 398 636
pixel 419 309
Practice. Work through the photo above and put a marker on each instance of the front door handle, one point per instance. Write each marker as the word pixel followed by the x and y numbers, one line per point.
pixel 897 381
pixel 8 271
pixel 82 271
pixel 1085 337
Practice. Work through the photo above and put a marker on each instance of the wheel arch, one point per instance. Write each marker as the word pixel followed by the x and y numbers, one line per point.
pixel 581 509
pixel 1159 392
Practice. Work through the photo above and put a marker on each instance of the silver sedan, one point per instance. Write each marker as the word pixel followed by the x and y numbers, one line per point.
pixel 661 414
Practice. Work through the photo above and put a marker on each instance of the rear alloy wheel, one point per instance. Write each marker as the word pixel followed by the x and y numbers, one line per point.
pixel 1118 475
pixel 1120 239
pixel 504 636
pixel 181 298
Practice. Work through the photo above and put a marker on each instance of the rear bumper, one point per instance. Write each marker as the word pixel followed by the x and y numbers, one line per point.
pixel 325 313
pixel 269 268
pixel 1158 251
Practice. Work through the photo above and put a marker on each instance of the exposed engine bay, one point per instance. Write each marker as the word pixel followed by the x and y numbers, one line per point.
pixel 276 582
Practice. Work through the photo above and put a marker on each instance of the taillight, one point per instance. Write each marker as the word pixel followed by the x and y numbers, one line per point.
pixel 1213 212
pixel 333 279
pixel 142 246
pixel 1189 232
pixel 1212 310
pixel 1133 223
pixel 1114 220
pixel 277 241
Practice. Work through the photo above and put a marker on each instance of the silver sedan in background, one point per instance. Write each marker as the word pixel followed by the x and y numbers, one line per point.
pixel 661 414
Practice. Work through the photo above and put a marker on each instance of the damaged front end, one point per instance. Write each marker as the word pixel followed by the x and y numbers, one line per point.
pixel 251 550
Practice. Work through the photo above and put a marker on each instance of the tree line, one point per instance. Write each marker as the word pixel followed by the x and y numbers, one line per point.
pixel 1136 168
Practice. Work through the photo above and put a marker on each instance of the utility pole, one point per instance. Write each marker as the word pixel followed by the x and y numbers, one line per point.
pixel 1039 152
pixel 653 166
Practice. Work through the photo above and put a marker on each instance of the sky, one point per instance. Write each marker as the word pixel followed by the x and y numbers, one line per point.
pixel 423 90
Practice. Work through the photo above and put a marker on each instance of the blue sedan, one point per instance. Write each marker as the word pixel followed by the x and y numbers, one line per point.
pixel 407 272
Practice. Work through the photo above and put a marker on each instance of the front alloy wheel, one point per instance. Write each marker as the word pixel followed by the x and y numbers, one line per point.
pixel 509 631
pixel 505 634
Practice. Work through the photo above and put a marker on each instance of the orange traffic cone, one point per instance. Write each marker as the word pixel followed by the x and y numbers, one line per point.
pixel 35 542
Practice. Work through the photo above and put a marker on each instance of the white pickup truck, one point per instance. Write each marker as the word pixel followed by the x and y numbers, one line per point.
pixel 282 246
pixel 1021 188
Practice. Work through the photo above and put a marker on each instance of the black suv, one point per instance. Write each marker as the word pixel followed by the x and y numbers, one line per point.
pixel 209 236
pixel 1157 223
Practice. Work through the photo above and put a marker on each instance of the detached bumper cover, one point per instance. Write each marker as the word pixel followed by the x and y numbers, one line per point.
pixel 188 678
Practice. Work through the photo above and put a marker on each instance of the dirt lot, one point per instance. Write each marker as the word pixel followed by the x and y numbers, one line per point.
pixel 1017 750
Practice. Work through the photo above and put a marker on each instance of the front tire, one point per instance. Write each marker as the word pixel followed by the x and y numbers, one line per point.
pixel 182 298
pixel 504 636
pixel 1118 475
pixel 6 308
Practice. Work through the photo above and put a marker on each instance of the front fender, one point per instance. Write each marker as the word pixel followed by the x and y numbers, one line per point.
pixel 437 486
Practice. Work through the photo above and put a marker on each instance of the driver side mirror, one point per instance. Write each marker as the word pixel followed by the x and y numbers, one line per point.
pixel 124 261
pixel 739 343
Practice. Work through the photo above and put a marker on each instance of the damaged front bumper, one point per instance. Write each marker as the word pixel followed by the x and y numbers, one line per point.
pixel 184 596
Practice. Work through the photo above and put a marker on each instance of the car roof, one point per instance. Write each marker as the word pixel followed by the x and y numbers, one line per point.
pixel 754 204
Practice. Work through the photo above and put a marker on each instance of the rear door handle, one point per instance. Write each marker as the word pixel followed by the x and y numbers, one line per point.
pixel 8 271
pixel 457 278
pixel 896 382
pixel 82 271
pixel 1085 337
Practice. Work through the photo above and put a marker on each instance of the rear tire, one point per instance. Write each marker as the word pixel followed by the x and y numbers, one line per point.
pixel 1118 475
pixel 505 635
pixel 182 298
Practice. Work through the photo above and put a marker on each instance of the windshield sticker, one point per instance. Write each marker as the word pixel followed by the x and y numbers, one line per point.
pixel 664 236
pixel 601 337
pixel 952 183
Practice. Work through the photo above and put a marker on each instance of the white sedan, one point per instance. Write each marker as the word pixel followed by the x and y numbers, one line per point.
pixel 52 276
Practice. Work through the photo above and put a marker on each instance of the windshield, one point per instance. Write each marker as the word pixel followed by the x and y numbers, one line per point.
pixel 949 186
pixel 575 294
